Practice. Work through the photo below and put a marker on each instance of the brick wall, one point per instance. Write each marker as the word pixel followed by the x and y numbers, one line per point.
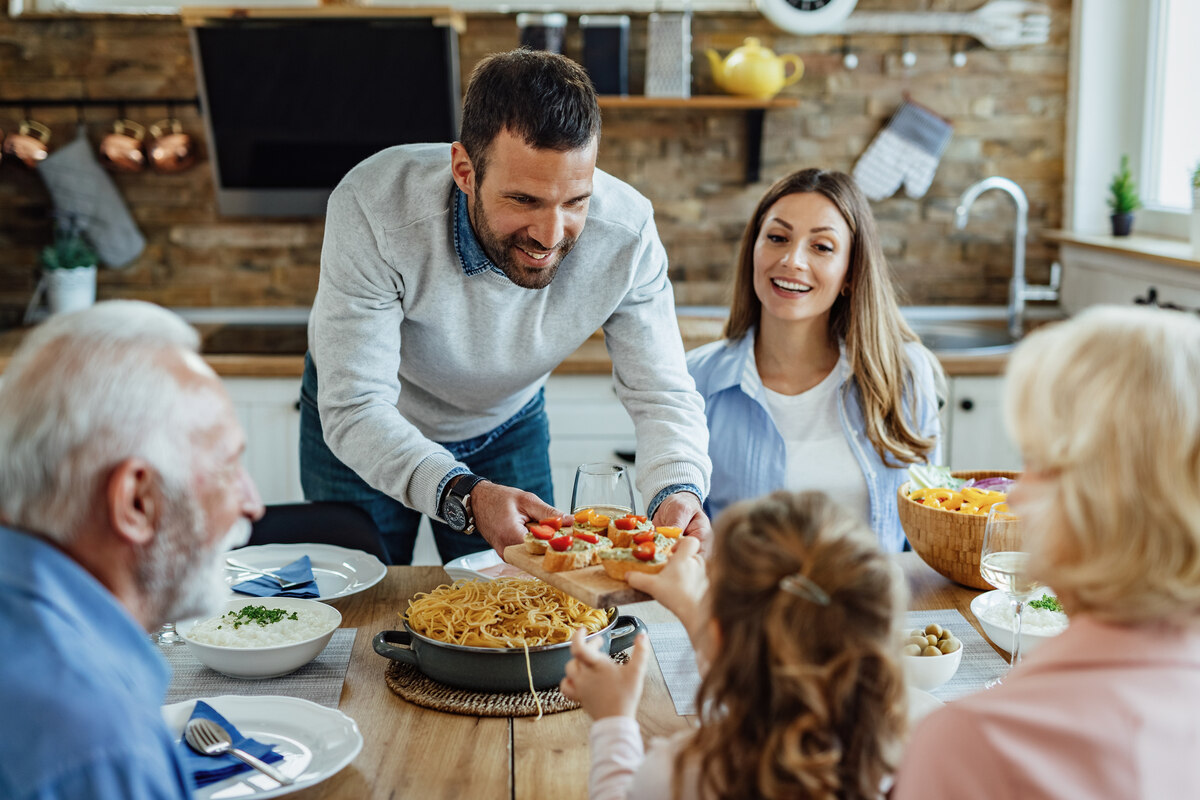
pixel 1008 109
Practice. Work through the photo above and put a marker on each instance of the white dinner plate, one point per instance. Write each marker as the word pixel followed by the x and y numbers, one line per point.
pixel 315 741
pixel 339 571
pixel 920 704
pixel 484 566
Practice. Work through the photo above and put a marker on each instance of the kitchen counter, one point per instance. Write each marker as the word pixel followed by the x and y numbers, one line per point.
pixel 276 350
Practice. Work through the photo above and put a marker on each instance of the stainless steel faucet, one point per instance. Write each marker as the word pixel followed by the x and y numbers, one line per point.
pixel 1018 290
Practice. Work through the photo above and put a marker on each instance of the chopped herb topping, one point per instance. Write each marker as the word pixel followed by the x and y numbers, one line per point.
pixel 256 614
pixel 1047 602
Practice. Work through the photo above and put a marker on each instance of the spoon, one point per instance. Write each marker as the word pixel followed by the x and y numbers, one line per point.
pixel 208 738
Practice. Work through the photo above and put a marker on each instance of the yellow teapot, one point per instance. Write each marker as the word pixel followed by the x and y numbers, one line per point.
pixel 754 71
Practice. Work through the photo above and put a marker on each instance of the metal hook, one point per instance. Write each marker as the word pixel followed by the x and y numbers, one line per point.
pixel 958 56
pixel 908 58
pixel 849 59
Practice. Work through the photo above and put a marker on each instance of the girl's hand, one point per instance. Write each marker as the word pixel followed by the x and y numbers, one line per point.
pixel 681 585
pixel 603 687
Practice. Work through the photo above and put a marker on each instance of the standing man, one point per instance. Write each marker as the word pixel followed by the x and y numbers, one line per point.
pixel 454 278
pixel 121 488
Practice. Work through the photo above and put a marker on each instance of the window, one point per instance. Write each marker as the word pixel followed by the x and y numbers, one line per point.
pixel 1171 140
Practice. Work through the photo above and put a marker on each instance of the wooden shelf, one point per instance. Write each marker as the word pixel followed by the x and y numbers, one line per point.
pixel 754 108
pixel 711 102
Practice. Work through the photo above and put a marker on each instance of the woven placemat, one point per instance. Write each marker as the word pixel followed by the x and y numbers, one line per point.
pixel 406 681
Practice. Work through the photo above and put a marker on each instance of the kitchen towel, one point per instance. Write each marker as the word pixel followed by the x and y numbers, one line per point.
pixel 905 152
pixel 81 188
pixel 319 681
pixel 210 769
pixel 298 570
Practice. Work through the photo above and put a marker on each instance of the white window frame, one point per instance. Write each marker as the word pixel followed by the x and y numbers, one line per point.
pixel 1113 91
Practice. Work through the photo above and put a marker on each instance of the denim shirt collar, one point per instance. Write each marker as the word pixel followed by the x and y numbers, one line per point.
pixel 470 252
pixel 740 369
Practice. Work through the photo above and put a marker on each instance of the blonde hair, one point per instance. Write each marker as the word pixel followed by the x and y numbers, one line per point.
pixel 1105 409
pixel 868 318
pixel 803 699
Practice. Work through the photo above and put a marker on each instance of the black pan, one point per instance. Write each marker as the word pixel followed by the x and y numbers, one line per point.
pixel 497 669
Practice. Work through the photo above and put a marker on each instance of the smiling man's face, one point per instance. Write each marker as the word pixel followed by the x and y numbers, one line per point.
pixel 530 207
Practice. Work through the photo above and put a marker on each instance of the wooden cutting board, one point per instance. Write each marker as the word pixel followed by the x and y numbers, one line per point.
pixel 591 584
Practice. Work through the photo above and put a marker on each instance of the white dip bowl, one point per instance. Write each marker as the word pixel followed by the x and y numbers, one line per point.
pixel 993 610
pixel 254 651
pixel 929 672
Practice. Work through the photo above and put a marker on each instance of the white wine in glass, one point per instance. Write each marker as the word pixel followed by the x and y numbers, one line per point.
pixel 1004 562
pixel 604 487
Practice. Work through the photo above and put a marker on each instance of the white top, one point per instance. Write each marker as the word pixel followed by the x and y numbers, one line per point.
pixel 817 452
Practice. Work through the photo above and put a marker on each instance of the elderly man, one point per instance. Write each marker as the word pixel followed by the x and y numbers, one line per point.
pixel 454 279
pixel 121 486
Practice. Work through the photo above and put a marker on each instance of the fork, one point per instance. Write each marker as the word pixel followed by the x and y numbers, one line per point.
pixel 283 584
pixel 998 24
pixel 209 738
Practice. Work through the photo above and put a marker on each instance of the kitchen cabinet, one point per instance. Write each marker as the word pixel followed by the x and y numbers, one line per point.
pixel 973 425
pixel 268 410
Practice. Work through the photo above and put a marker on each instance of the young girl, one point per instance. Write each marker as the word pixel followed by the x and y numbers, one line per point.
pixel 819 382
pixel 801 695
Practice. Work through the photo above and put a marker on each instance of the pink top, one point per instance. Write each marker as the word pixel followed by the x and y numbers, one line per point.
pixel 621 770
pixel 1101 711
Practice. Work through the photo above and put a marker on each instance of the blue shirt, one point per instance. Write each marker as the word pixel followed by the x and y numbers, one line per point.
pixel 748 453
pixel 81 686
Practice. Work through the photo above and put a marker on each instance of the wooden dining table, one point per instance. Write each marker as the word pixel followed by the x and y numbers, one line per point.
pixel 414 752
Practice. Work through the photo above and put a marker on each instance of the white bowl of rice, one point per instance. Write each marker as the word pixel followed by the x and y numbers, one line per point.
pixel 262 637
pixel 995 614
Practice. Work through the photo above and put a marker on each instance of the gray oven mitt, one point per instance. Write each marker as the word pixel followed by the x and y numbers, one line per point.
pixel 80 187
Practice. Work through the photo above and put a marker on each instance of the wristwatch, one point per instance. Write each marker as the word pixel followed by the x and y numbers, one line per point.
pixel 456 505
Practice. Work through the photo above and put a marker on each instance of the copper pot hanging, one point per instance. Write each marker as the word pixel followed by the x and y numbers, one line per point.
pixel 30 144
pixel 169 148
pixel 121 150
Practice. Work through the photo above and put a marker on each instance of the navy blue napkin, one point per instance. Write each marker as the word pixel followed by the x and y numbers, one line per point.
pixel 298 570
pixel 210 769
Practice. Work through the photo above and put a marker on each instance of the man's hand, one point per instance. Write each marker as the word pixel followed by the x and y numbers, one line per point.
pixel 683 510
pixel 603 687
pixel 502 511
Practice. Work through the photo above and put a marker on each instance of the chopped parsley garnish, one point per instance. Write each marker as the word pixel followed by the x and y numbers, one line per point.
pixel 257 614
pixel 1047 602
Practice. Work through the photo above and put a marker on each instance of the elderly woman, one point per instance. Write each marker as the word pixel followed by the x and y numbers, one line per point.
pixel 1106 411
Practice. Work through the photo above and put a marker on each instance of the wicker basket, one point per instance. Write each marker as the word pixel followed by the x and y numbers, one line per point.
pixel 946 540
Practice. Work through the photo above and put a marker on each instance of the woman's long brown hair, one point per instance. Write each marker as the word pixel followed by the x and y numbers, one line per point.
pixel 868 319
pixel 802 699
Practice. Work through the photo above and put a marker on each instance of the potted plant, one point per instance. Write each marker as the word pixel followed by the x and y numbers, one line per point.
pixel 69 267
pixel 1123 199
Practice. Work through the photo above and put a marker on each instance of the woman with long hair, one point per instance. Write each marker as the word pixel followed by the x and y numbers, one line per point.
pixel 801 696
pixel 1105 411
pixel 819 383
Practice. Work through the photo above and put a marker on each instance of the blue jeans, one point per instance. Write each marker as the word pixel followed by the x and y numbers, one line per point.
pixel 517 453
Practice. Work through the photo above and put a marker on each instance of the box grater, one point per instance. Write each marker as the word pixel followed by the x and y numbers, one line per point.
pixel 669 55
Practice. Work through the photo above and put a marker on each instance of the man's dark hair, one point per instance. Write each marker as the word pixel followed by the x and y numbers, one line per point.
pixel 545 99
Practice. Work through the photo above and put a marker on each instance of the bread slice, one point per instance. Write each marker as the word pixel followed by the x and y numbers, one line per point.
pixel 535 545
pixel 618 568
pixel 561 561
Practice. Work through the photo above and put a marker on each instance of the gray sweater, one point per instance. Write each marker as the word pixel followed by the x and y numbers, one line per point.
pixel 411 351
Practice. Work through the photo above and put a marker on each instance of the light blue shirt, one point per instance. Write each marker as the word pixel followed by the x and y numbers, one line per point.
pixel 748 453
pixel 81 686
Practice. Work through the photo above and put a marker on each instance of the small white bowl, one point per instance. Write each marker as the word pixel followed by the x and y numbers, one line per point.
pixel 267 661
pixel 1002 636
pixel 929 672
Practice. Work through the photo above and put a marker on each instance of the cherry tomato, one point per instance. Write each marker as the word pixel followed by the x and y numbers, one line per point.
pixel 543 532
pixel 587 536
pixel 669 532
pixel 581 517
pixel 639 517
pixel 643 552
pixel 562 543
pixel 643 536
pixel 597 520
pixel 625 523
pixel 553 523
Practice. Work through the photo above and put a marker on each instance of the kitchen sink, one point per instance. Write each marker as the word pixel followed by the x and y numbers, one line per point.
pixel 964 336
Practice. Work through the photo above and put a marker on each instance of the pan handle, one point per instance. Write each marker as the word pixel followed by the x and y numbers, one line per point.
pixel 396 645
pixel 624 631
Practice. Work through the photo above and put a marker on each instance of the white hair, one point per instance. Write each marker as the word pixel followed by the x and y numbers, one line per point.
pixel 84 392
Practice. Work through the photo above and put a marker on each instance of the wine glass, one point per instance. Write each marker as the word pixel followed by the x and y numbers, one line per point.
pixel 1004 563
pixel 604 487
pixel 166 635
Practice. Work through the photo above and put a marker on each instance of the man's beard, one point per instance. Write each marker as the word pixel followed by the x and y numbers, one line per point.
pixel 499 250
pixel 180 577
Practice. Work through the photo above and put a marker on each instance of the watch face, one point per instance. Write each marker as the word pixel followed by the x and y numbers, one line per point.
pixel 454 514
